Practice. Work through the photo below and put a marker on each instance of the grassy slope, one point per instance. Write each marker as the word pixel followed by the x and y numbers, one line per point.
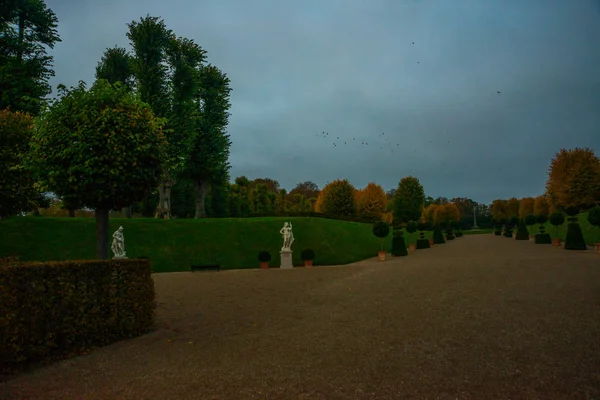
pixel 174 245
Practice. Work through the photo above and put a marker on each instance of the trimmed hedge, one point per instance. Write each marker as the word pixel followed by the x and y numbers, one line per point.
pixel 574 240
pixel 438 236
pixel 54 308
pixel 305 214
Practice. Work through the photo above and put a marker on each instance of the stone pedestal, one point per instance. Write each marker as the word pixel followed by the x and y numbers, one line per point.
pixel 120 258
pixel 286 259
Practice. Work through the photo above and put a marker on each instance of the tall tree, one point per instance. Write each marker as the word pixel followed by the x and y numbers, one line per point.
pixel 208 159
pixel 115 66
pixel 150 39
pixel 27 28
pixel 307 189
pixel 102 147
pixel 574 179
pixel 409 200
pixel 371 202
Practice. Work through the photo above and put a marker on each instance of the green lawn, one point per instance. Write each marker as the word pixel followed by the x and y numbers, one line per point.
pixel 174 245
pixel 591 234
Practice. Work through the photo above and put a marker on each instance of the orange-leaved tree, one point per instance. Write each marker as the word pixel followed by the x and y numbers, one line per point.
pixel 526 207
pixel 446 214
pixel 498 210
pixel 371 202
pixel 574 179
pixel 512 208
pixel 541 206
pixel 429 214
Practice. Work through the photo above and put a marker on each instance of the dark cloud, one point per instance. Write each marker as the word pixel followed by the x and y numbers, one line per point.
pixel 350 68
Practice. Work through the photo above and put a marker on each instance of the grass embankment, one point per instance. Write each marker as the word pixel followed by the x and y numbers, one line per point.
pixel 175 245
pixel 591 234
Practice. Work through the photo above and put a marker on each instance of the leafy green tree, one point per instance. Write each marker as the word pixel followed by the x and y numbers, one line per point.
pixel 115 66
pixel 150 39
pixel 17 182
pixel 102 147
pixel 409 199
pixel 339 198
pixel 208 157
pixel 27 28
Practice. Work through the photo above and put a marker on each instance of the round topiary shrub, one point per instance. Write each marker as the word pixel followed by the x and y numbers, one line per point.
pixel 449 234
pixel 594 217
pixel 264 256
pixel 530 220
pixel 438 236
pixel 522 232
pixel 381 230
pixel 458 234
pixel 513 221
pixel 557 219
pixel 542 237
pixel 411 227
pixel 307 255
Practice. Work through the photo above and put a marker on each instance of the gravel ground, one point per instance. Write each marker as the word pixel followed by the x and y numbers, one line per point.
pixel 481 317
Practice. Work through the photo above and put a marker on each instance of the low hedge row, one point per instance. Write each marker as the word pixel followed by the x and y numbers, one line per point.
pixel 53 308
pixel 314 215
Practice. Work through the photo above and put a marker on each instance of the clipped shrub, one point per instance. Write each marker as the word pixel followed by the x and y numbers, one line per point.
pixel 381 230
pixel 438 237
pixel 70 306
pixel 264 256
pixel 411 227
pixel 508 231
pixel 542 236
pixel 399 246
pixel 522 232
pixel 422 243
pixel 594 217
pixel 574 239
pixel 513 221
pixel 449 234
pixel 307 255
pixel 458 234
pixel 557 219
pixel 530 220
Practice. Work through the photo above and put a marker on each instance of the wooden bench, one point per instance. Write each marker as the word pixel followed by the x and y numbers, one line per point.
pixel 201 267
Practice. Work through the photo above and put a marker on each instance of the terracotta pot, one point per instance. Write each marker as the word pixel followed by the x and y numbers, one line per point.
pixel 556 242
pixel 597 246
pixel 264 265
pixel 412 247
pixel 381 255
pixel 308 263
pixel 532 238
pixel 431 242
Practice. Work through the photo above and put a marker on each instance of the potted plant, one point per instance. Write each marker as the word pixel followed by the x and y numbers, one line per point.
pixel 542 237
pixel 594 220
pixel 411 227
pixel 398 243
pixel 530 222
pixel 422 243
pixel 522 231
pixel 381 230
pixel 264 257
pixel 438 236
pixel 429 228
pixel 574 239
pixel 556 219
pixel 497 227
pixel 307 255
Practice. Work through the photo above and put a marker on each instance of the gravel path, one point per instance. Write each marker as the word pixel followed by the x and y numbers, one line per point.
pixel 481 317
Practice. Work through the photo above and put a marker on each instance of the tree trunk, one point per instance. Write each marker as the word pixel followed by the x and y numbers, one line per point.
pixel 72 213
pixel 200 196
pixel 164 197
pixel 101 233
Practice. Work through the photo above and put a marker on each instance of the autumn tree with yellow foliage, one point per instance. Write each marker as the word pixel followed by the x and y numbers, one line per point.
pixel 447 214
pixel 541 206
pixel 371 202
pixel 574 179
pixel 526 207
pixel 498 209
pixel 337 198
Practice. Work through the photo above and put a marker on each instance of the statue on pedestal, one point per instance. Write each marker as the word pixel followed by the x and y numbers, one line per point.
pixel 288 236
pixel 118 244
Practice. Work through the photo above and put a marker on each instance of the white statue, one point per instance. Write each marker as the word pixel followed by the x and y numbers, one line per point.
pixel 118 244
pixel 288 236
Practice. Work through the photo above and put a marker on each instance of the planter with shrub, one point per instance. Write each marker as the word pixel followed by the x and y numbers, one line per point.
pixel 530 223
pixel 264 257
pixel 411 227
pixel 381 230
pixel 556 219
pixel 438 236
pixel 574 239
pixel 594 220
pixel 458 234
pixel 542 237
pixel 522 232
pixel 307 255
pixel 422 243
pixel 398 243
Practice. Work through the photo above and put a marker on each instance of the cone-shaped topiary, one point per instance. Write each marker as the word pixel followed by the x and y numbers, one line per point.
pixel 574 239
pixel 422 243
pixel 542 237
pixel 399 246
pixel 438 236
pixel 513 221
pixel 522 232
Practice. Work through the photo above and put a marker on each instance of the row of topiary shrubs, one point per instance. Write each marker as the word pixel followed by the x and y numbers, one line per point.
pixel 574 239
pixel 51 309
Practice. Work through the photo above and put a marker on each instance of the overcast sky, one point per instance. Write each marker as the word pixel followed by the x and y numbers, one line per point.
pixel 350 68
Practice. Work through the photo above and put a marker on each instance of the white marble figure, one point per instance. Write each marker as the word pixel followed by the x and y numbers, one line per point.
pixel 288 236
pixel 118 244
